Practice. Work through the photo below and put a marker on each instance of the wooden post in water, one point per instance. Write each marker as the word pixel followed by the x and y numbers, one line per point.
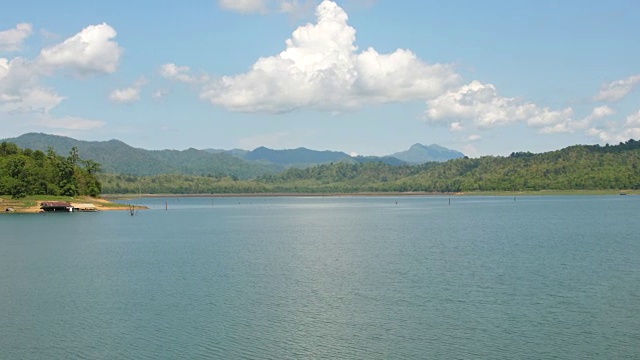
pixel 449 201
pixel 166 205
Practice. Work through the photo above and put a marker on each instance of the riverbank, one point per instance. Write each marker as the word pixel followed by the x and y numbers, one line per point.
pixel 124 197
pixel 31 204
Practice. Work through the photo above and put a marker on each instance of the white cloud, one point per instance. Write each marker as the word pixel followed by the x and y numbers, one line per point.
pixel 90 51
pixel 30 100
pixel 601 112
pixel 129 94
pixel 456 126
pixel 474 137
pixel 614 132
pixel 633 120
pixel 24 98
pixel 20 88
pixel 125 95
pixel 401 76
pixel 481 105
pixel 12 39
pixel 321 69
pixel 181 74
pixel 616 90
pixel 571 125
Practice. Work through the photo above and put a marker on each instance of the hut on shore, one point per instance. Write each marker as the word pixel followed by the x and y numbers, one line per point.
pixel 56 206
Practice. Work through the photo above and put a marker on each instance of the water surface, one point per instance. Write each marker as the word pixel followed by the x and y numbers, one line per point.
pixel 334 277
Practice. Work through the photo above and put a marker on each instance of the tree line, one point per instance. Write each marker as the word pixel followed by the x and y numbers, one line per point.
pixel 25 172
pixel 579 167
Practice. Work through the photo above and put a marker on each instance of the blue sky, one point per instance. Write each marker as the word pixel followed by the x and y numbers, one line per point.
pixel 370 77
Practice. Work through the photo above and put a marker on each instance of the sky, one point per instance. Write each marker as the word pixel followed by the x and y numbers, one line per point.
pixel 367 77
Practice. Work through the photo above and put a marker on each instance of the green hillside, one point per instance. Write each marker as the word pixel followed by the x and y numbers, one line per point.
pixel 130 170
pixel 574 168
pixel 118 157
pixel 579 167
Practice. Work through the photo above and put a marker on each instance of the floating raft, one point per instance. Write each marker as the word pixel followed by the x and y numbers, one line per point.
pixel 84 207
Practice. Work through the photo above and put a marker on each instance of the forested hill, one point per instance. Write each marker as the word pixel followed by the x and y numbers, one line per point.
pixel 26 172
pixel 575 167
pixel 580 167
pixel 118 157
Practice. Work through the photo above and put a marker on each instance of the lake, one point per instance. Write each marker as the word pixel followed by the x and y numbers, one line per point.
pixel 326 277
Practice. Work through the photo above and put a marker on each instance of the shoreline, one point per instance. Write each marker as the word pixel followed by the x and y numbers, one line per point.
pixel 135 196
pixel 32 205
pixel 383 194
pixel 113 202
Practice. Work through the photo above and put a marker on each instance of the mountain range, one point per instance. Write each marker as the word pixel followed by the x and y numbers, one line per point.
pixel 117 157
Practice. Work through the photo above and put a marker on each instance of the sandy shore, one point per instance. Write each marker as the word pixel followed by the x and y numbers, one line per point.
pixel 100 205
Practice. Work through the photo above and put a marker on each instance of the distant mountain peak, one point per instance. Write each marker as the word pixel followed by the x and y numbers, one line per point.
pixel 418 154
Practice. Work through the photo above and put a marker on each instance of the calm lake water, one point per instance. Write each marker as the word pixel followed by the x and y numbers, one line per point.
pixel 337 277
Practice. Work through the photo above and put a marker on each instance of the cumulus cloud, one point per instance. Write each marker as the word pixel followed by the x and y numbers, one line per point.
pixel 571 125
pixel 474 137
pixel 616 90
pixel 322 69
pixel 12 39
pixel 24 98
pixel 181 74
pixel 129 94
pixel 482 105
pixel 89 52
pixel 125 95
pixel 613 132
pixel 633 120
pixel 601 112
pixel 30 100
pixel 20 88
